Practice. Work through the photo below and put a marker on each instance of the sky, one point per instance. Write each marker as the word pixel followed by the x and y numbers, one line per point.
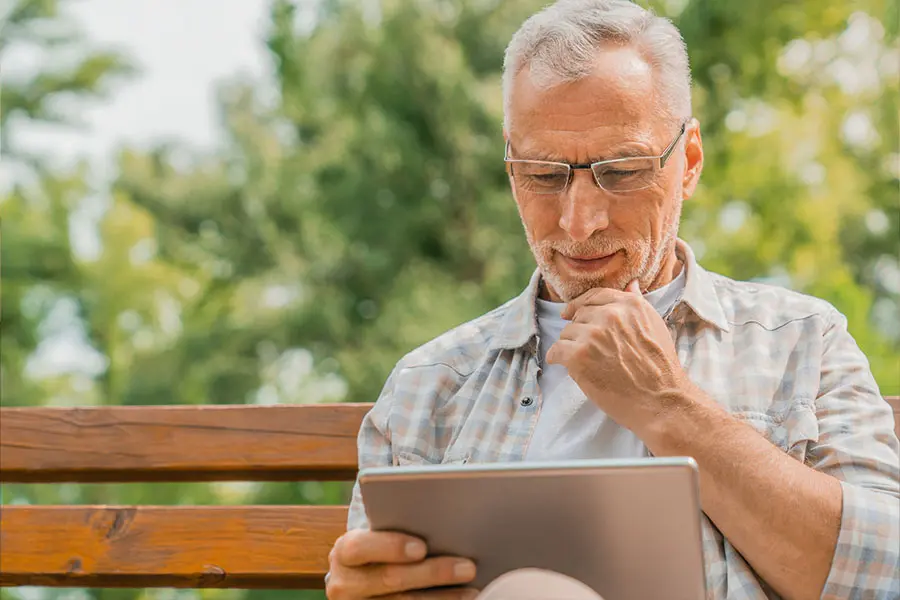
pixel 181 48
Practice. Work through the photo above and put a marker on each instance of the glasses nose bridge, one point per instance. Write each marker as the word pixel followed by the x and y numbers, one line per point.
pixel 584 212
pixel 573 168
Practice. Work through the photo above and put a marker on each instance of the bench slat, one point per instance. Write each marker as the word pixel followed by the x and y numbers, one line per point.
pixel 280 547
pixel 179 443
pixel 186 443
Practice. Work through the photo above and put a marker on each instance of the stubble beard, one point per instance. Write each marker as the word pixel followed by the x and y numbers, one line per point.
pixel 642 260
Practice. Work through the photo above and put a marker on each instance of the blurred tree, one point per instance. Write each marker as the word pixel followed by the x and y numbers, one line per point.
pixel 799 112
pixel 379 198
pixel 39 269
pixel 362 208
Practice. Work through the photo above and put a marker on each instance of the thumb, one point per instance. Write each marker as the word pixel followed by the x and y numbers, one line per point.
pixel 634 287
pixel 550 355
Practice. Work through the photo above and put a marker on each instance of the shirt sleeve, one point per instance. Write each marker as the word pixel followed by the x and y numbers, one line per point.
pixel 858 446
pixel 374 448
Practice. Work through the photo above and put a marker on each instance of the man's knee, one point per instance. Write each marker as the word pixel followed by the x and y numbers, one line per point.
pixel 537 584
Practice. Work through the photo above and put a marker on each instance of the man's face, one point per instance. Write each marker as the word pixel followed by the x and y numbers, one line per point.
pixel 586 237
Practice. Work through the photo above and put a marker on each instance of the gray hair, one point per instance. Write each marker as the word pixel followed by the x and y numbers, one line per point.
pixel 560 43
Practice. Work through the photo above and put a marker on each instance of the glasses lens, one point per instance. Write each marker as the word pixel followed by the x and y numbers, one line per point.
pixel 627 175
pixel 540 178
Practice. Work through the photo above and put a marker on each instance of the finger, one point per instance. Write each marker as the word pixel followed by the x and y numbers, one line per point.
pixel 576 331
pixel 361 547
pixel 634 287
pixel 596 315
pixel 443 594
pixel 433 572
pixel 561 352
pixel 592 297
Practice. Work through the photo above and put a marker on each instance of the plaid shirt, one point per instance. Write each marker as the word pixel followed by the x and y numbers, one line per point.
pixel 779 360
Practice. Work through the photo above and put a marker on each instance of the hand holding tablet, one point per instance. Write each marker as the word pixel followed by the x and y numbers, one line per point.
pixel 627 529
pixel 367 564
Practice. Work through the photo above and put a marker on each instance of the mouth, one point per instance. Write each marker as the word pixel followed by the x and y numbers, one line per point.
pixel 588 262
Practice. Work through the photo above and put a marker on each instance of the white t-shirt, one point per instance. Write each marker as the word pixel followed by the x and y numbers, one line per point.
pixel 569 425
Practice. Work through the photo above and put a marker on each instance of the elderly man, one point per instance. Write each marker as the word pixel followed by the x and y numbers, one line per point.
pixel 623 346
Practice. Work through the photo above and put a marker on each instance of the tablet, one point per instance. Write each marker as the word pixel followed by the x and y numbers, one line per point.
pixel 629 529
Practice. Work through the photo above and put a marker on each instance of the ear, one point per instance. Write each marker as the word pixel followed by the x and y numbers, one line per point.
pixel 693 154
pixel 506 165
pixel 506 141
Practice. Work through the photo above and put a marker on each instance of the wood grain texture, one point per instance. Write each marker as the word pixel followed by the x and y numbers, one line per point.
pixel 180 443
pixel 280 547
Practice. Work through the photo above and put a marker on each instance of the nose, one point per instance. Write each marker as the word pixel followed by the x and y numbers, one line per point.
pixel 585 207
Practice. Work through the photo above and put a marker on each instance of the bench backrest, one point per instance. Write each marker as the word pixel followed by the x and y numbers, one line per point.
pixel 177 546
pixel 174 546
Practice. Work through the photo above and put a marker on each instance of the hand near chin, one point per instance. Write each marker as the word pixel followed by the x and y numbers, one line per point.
pixel 620 353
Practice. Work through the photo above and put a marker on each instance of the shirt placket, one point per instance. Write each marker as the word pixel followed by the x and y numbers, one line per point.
pixel 528 399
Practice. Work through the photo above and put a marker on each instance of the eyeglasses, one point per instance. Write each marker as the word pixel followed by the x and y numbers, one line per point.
pixel 619 175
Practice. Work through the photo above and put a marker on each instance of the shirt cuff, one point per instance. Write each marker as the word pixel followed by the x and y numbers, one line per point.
pixel 866 560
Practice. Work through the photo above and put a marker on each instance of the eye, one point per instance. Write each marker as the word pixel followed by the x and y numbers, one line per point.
pixel 545 176
pixel 627 176
pixel 623 172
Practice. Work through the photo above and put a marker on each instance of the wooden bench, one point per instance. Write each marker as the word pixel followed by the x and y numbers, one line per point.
pixel 176 546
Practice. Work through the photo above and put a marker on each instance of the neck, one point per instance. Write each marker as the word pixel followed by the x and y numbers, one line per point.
pixel 545 292
pixel 669 269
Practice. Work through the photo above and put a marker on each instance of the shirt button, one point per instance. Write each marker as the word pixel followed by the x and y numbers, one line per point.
pixel 527 401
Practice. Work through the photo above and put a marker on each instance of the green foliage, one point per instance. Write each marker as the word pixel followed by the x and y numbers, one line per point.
pixel 367 209
pixel 38 266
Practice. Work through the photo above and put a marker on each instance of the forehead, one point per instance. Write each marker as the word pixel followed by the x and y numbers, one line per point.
pixel 613 106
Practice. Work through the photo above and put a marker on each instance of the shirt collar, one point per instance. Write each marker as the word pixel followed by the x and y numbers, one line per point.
pixel 519 325
pixel 700 293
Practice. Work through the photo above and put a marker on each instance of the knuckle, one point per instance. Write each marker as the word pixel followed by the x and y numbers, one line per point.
pixel 350 547
pixel 336 551
pixel 392 576
pixel 336 588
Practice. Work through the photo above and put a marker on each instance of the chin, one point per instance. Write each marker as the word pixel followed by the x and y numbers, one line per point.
pixel 568 283
pixel 568 287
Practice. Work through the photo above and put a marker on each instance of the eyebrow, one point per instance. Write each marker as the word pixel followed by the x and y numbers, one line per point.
pixel 624 152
